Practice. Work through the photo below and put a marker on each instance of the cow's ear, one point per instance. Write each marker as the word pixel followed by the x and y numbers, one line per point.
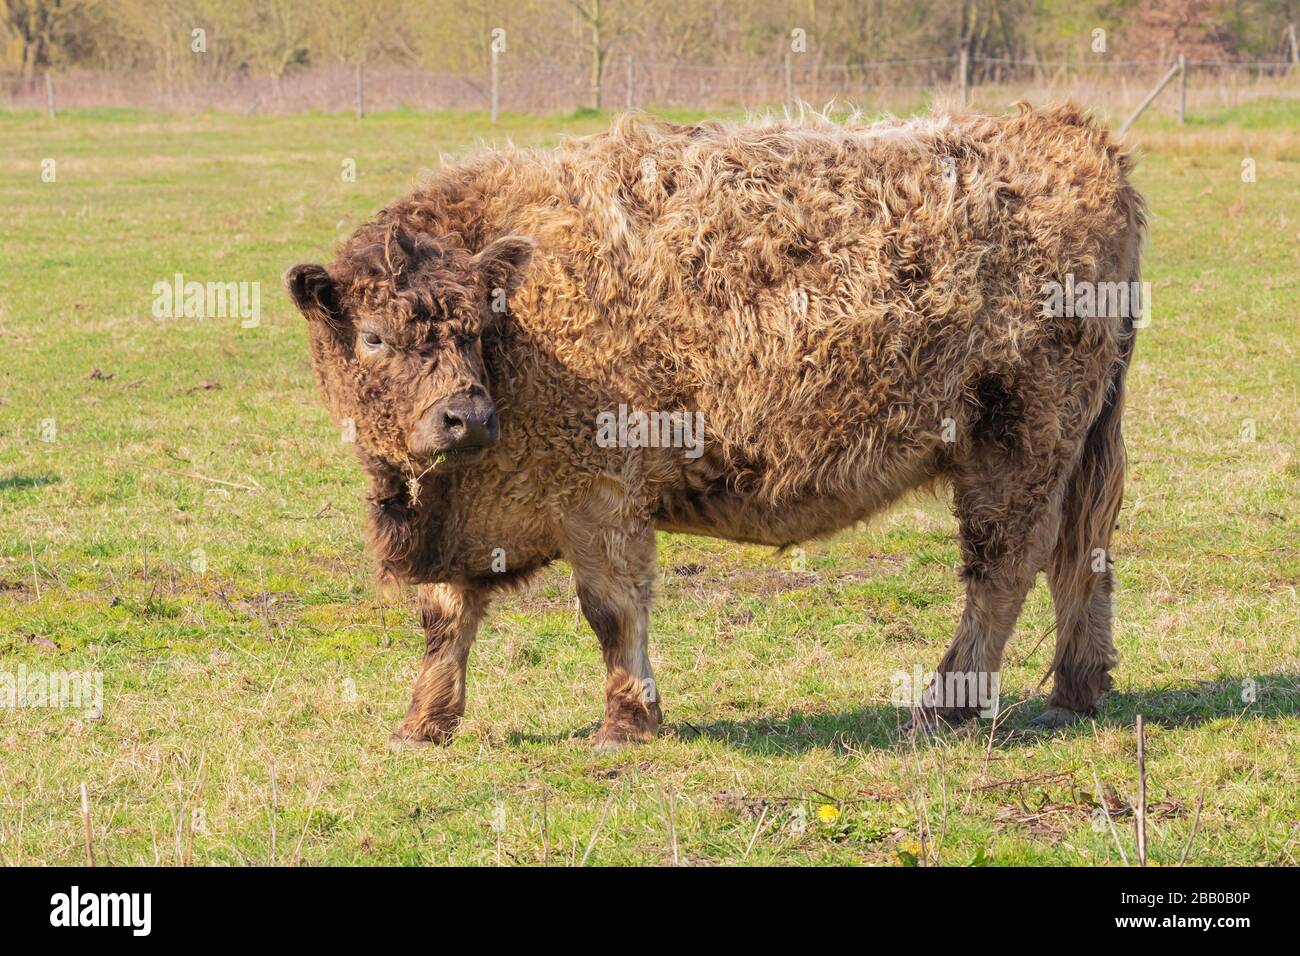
pixel 504 263
pixel 313 292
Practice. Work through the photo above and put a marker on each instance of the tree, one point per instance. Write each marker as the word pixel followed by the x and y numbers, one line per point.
pixel 1196 28
pixel 605 22
pixel 351 31
pixel 279 37
pixel 46 31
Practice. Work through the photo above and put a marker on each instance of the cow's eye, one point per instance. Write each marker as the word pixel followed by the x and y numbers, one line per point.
pixel 372 341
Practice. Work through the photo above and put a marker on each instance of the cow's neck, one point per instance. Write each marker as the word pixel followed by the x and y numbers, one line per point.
pixel 406 527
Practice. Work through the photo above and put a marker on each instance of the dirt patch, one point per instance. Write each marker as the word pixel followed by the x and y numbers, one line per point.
pixel 747 807
pixel 16 589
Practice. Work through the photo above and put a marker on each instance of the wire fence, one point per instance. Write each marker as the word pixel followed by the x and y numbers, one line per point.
pixel 627 82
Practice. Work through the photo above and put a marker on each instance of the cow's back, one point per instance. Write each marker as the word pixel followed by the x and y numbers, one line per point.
pixel 827 296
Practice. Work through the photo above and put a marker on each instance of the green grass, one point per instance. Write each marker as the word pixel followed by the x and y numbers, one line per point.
pixel 261 691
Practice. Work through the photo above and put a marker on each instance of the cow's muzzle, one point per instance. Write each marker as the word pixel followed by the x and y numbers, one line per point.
pixel 459 425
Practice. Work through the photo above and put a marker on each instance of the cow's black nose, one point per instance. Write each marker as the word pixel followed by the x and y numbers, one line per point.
pixel 469 429
pixel 460 423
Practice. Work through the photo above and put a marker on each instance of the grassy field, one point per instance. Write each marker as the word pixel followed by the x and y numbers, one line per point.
pixel 178 514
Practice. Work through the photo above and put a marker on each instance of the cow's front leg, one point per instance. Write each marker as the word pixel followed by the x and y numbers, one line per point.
pixel 450 616
pixel 614 571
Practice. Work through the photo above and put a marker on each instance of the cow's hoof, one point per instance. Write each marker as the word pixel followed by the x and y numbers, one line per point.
pixel 608 741
pixel 621 736
pixel 1055 718
pixel 628 721
pixel 405 739
pixel 929 723
pixel 920 725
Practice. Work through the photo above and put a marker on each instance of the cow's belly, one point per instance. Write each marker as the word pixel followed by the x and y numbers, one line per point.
pixel 732 517
pixel 715 509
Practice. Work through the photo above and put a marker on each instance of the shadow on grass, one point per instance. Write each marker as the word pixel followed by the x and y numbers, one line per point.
pixel 23 482
pixel 879 726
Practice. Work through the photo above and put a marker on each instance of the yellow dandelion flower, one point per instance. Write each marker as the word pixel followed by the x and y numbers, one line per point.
pixel 827 813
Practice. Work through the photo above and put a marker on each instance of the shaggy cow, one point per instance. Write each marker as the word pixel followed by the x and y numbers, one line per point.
pixel 855 311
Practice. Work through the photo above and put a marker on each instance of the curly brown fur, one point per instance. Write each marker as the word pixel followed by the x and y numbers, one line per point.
pixel 829 297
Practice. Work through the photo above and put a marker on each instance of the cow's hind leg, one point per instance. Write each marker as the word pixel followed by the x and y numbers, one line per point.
pixel 1085 652
pixel 1008 480
pixel 450 616
pixel 1003 548
pixel 1079 571
pixel 614 573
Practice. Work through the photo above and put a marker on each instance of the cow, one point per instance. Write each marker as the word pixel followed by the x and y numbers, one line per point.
pixel 852 311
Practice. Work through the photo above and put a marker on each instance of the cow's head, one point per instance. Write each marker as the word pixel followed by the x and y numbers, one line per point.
pixel 396 326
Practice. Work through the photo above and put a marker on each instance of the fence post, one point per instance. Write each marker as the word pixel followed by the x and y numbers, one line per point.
pixel 496 84
pixel 1164 81
pixel 1182 89
pixel 629 82
pixel 962 68
pixel 49 95
pixel 361 91
pixel 789 81
pixel 1295 49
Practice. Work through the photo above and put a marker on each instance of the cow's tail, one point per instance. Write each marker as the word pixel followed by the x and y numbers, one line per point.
pixel 1079 570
